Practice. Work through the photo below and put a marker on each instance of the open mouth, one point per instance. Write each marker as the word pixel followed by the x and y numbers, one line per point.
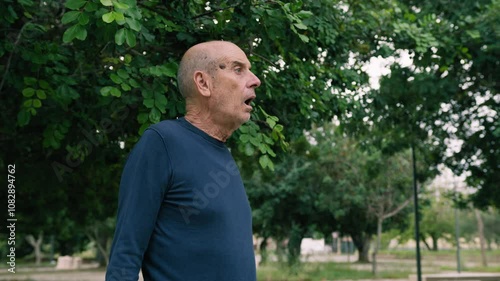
pixel 249 100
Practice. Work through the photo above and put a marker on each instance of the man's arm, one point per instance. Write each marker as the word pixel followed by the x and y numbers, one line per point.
pixel 143 184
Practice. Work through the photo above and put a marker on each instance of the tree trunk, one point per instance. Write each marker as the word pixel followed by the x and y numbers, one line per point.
pixel 93 235
pixel 434 242
pixel 362 243
pixel 422 238
pixel 294 241
pixel 37 246
pixel 377 246
pixel 480 228
pixel 263 251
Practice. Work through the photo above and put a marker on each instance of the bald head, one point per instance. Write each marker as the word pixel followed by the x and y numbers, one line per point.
pixel 201 57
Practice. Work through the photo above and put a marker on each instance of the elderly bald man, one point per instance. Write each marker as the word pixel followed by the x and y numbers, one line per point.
pixel 183 213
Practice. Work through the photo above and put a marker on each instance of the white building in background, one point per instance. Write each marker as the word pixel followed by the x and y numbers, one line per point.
pixel 310 246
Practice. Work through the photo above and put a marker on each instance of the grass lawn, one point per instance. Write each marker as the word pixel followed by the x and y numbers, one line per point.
pixel 468 254
pixel 322 271
pixel 399 266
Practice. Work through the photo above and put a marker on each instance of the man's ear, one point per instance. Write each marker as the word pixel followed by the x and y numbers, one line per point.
pixel 202 82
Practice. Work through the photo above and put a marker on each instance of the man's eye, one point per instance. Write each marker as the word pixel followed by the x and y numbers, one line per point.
pixel 237 70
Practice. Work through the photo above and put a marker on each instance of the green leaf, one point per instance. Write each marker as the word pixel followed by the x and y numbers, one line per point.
pixel 107 3
pixel 262 147
pixel 105 90
pixel 120 36
pixel 143 128
pixel 23 118
pixel 474 34
pixel 29 81
pixel 125 87
pixel 118 16
pixel 70 16
pixel 28 92
pixel 115 92
pixel 115 78
pixel 119 5
pixel 128 59
pixel 244 138
pixel 304 38
pixel 149 103
pixel 108 17
pixel 37 103
pixel 41 94
pixel 76 31
pixel 75 4
pixel 161 102
pixel 83 19
pixel 70 34
pixel 270 151
pixel 305 14
pixel 255 141
pixel 169 70
pixel 142 118
pixel 58 135
pixel 244 129
pixel 271 122
pixel 43 84
pixel 154 115
pixel 133 24
pixel 300 26
pixel 91 7
pixel 130 37
pixel 81 33
pixel 28 103
pixel 249 150
pixel 123 73
pixel 264 161
pixel 133 83
pixel 131 3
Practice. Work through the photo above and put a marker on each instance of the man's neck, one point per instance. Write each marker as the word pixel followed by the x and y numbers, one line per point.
pixel 206 124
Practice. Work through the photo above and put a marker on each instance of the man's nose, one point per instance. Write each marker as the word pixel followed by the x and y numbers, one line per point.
pixel 254 81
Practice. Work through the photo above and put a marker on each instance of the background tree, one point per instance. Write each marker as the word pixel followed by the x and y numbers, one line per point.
pixel 361 187
pixel 284 202
pixel 450 92
pixel 437 222
pixel 390 181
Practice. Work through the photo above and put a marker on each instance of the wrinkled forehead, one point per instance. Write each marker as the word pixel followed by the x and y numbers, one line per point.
pixel 233 57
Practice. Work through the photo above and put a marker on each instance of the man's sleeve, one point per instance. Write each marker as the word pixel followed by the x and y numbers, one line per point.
pixel 143 185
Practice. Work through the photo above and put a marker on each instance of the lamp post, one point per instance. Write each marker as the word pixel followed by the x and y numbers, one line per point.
pixel 417 219
pixel 457 227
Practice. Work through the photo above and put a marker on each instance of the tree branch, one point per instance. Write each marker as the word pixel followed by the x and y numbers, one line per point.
pixel 265 59
pixel 399 208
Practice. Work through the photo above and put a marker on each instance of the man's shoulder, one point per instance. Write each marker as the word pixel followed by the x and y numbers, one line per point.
pixel 167 127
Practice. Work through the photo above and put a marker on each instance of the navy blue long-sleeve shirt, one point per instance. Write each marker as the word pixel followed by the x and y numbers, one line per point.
pixel 183 214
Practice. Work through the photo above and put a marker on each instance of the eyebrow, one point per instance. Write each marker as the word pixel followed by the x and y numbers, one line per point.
pixel 239 63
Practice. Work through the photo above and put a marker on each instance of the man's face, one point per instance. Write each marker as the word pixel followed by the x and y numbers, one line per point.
pixel 233 87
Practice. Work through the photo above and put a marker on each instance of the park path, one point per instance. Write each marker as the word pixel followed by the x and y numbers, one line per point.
pixel 55 276
pixel 90 272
